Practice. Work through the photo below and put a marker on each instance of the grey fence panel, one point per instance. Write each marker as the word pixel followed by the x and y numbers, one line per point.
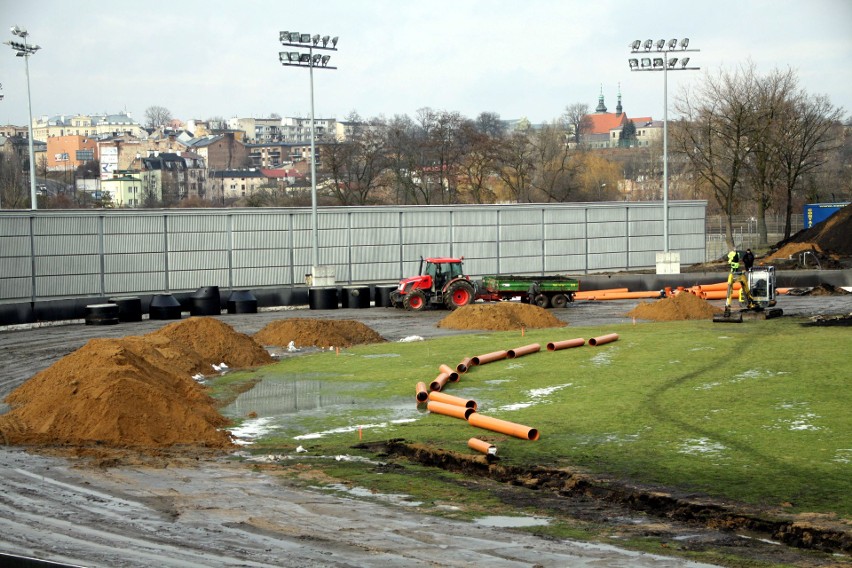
pixel 56 254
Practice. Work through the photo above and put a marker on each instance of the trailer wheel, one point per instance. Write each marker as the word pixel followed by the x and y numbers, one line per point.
pixel 559 301
pixel 457 295
pixel 414 301
pixel 542 301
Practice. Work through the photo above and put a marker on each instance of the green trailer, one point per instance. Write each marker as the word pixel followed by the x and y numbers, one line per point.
pixel 544 291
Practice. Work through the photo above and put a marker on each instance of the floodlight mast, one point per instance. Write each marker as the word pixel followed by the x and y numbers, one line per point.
pixel 25 50
pixel 309 60
pixel 665 65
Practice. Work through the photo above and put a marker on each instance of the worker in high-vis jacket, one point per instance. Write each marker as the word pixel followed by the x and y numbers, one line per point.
pixel 736 274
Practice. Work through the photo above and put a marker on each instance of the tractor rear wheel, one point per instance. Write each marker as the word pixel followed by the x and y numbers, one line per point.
pixel 559 301
pixel 542 301
pixel 414 301
pixel 458 294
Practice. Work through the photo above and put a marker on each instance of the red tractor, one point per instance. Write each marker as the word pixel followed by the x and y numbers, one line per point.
pixel 441 283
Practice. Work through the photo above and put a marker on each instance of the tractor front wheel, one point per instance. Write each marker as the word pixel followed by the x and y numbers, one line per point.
pixel 457 295
pixel 414 301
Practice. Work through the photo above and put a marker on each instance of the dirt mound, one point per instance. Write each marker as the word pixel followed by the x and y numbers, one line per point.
pixel 134 392
pixel 832 236
pixel 683 306
pixel 503 316
pixel 304 332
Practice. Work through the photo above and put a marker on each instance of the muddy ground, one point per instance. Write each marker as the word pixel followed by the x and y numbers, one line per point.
pixel 193 510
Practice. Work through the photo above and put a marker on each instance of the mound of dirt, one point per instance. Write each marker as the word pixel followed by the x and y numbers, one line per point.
pixel 683 306
pixel 134 392
pixel 831 237
pixel 305 332
pixel 503 316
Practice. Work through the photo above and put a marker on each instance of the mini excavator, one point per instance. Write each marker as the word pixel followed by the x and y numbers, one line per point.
pixel 756 293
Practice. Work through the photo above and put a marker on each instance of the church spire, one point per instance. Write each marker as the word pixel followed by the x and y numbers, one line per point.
pixel 618 107
pixel 601 105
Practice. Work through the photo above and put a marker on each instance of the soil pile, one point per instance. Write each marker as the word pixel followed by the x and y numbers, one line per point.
pixel 503 316
pixel 824 289
pixel 683 306
pixel 134 392
pixel 831 237
pixel 305 332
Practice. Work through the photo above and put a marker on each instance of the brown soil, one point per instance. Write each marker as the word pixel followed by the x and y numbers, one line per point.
pixel 305 332
pixel 135 392
pixel 824 289
pixel 504 316
pixel 830 239
pixel 683 306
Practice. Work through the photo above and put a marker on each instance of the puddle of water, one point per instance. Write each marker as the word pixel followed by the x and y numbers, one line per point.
pixel 508 522
pixel 353 428
pixel 394 498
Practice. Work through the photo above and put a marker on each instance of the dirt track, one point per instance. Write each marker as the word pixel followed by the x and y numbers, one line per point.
pixel 211 512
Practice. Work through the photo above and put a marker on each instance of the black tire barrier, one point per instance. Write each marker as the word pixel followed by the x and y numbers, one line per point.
pixel 164 307
pixel 323 298
pixel 355 297
pixel 102 314
pixel 383 292
pixel 205 302
pixel 129 308
pixel 242 302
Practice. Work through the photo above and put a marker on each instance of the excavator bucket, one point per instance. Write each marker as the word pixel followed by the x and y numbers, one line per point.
pixel 728 317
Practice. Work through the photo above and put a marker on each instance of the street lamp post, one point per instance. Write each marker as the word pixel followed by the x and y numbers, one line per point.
pixel 661 62
pixel 309 60
pixel 25 50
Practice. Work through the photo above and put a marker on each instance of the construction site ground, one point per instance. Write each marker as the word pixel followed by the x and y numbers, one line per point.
pixel 190 508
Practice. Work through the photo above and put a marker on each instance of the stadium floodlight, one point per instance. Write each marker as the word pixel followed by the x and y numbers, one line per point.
pixel 315 39
pixel 25 50
pixel 334 41
pixel 325 40
pixel 664 64
pixel 325 59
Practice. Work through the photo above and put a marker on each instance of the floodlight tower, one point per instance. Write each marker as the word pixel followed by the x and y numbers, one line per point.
pixel 309 60
pixel 662 62
pixel 24 49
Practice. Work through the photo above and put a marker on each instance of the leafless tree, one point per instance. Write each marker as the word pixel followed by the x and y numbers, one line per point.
pixel 157 116
pixel 576 118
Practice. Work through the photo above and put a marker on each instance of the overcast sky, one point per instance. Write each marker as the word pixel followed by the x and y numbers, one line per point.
pixel 517 58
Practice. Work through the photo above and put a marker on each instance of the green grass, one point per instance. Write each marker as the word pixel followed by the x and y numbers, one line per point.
pixel 757 412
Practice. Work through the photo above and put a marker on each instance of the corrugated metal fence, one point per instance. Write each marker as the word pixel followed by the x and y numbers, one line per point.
pixel 65 254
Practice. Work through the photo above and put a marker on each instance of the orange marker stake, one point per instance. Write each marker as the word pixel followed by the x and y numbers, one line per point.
pixel 360 435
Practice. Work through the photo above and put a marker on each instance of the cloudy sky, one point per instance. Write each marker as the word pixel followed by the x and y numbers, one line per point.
pixel 518 58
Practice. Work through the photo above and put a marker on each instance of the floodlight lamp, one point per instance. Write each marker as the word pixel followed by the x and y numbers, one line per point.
pixel 658 62
pixel 315 39
pixel 305 38
pixel 683 62
pixel 334 41
pixel 646 62
pixel 283 36
pixel 649 43
pixel 282 56
pixel 305 58
pixel 672 43
pixel 22 32
pixel 672 62
pixel 636 45
pixel 316 59
pixel 661 44
pixel 294 37
pixel 325 40
pixel 684 43
pixel 325 59
pixel 294 56
pixel 634 63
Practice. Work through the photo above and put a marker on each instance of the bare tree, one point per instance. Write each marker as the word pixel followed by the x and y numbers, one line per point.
pixel 354 166
pixel 555 174
pixel 576 119
pixel 157 117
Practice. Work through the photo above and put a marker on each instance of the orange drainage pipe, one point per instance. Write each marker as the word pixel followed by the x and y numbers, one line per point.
pixel 439 382
pixel 422 393
pixel 718 286
pixel 482 446
pixel 525 350
pixel 488 357
pixel 503 426
pixel 437 396
pixel 714 294
pixel 593 293
pixel 566 344
pixel 629 295
pixel 446 369
pixel 464 365
pixel 782 291
pixel 450 409
pixel 601 339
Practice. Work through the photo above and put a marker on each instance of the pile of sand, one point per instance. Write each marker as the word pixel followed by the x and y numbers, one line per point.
pixel 305 332
pixel 683 306
pixel 135 392
pixel 831 237
pixel 503 316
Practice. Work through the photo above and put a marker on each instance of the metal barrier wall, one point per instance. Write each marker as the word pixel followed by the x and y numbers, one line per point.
pixel 55 254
